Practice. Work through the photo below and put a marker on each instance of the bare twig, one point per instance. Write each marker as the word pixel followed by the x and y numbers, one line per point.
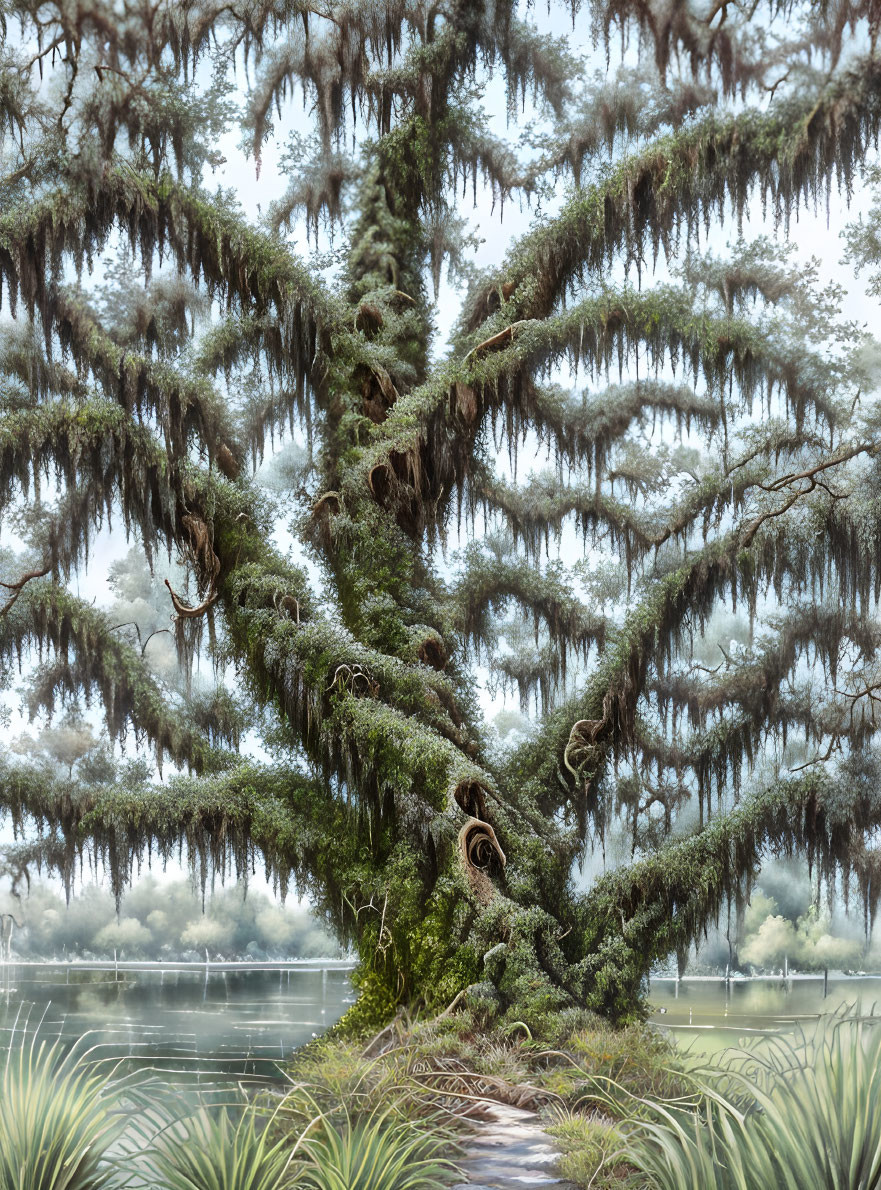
pixel 833 744
pixel 155 632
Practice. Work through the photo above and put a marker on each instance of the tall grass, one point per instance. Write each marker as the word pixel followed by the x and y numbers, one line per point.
pixel 59 1121
pixel 375 1153
pixel 208 1150
pixel 801 1114
pixel 56 1123
pixel 298 1143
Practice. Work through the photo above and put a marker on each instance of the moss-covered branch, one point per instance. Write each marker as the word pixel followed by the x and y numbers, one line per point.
pixel 99 456
pixel 782 157
pixel 93 660
pixel 185 408
pixel 424 448
pixel 215 823
pixel 245 268
pixel 661 904
pixel 489 585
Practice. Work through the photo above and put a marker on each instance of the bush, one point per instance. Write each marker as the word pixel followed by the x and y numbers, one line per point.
pixel 320 1140
pixel 635 1057
pixel 591 1148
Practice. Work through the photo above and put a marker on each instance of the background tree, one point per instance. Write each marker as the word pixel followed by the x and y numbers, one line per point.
pixel 724 454
pixel 163 920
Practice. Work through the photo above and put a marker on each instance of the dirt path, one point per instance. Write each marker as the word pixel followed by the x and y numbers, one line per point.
pixel 510 1151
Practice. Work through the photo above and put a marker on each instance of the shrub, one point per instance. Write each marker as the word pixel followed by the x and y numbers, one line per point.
pixel 591 1150
pixel 634 1057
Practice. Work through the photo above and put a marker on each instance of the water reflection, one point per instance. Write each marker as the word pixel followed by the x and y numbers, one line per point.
pixel 707 1015
pixel 189 1024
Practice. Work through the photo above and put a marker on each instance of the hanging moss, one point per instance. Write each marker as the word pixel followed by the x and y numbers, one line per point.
pixel 443 862
pixel 92 660
pixel 663 903
pixel 783 158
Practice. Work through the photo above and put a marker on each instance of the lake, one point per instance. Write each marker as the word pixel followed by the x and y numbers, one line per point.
pixel 707 1015
pixel 186 1023
pixel 209 1026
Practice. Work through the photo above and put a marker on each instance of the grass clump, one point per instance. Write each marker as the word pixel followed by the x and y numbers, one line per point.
pixel 440 1058
pixel 211 1150
pixel 337 1079
pixel 297 1143
pixel 376 1152
pixel 798 1114
pixel 591 1151
pixel 636 1057
pixel 56 1122
pixel 386 1113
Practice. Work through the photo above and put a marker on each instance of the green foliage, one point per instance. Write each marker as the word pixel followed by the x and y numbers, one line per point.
pixel 375 1004
pixel 57 1121
pixel 796 1114
pixel 212 1150
pixel 591 1151
pixel 375 1153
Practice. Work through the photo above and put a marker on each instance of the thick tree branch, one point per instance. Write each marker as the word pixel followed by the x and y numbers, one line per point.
pixel 779 158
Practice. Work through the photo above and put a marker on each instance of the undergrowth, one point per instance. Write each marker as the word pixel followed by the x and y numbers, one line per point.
pixel 451 1068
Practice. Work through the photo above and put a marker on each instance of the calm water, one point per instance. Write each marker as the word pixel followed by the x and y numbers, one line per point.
pixel 186 1024
pixel 707 1016
pixel 212 1026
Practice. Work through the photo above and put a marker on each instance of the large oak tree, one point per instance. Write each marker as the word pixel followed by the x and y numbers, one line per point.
pixel 724 453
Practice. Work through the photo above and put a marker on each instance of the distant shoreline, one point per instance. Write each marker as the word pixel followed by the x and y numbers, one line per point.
pixel 181 965
pixel 792 977
pixel 350 964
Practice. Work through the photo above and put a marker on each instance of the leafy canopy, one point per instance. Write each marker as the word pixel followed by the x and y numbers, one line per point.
pixel 709 420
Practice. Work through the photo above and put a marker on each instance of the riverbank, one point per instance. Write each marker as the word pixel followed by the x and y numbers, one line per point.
pixel 574 1103
pixel 484 1097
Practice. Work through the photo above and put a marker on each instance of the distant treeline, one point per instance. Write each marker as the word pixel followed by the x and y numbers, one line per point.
pixel 788 926
pixel 164 920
